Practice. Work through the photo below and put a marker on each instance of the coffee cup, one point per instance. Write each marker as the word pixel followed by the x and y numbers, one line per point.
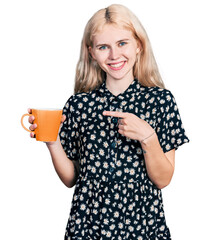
pixel 48 123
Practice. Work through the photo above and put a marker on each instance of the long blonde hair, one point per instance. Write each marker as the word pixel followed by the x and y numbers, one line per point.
pixel 88 73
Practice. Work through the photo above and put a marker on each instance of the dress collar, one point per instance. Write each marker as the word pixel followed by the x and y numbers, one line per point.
pixel 133 88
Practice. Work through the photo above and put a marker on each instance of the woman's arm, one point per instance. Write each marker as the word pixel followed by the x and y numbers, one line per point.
pixel 160 165
pixel 64 167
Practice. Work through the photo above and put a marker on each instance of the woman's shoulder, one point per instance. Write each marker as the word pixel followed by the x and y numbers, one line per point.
pixel 82 97
pixel 157 95
pixel 156 92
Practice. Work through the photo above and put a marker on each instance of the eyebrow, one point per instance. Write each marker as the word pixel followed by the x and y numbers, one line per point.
pixel 104 44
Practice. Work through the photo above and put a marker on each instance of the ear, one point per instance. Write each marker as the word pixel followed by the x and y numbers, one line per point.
pixel 91 52
pixel 139 47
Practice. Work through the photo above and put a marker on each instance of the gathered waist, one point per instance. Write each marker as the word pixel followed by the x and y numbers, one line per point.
pixel 109 182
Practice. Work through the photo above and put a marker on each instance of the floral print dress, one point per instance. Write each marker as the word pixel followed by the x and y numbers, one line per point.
pixel 113 197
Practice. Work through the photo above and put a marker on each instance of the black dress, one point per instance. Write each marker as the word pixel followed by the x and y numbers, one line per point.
pixel 114 198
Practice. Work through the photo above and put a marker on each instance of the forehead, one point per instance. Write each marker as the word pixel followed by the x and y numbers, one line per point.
pixel 111 33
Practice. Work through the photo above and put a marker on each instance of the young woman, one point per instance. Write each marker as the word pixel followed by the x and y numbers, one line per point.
pixel 119 134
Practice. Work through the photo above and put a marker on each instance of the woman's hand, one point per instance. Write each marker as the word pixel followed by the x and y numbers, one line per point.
pixel 33 125
pixel 130 125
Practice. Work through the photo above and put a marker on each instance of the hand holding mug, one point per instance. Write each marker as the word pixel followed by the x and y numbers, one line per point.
pixel 45 123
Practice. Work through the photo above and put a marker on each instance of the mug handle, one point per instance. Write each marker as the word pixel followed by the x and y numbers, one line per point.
pixel 24 115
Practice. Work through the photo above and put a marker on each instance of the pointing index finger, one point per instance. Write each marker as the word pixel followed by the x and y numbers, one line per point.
pixel 114 114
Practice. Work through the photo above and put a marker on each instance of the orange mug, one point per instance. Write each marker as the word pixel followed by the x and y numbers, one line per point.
pixel 48 123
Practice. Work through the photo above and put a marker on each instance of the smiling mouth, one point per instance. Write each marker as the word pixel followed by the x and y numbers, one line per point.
pixel 117 66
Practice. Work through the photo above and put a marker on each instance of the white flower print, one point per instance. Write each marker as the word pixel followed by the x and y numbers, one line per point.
pixel 104 210
pixel 151 100
pixel 162 228
pixel 92 137
pixel 97 164
pixel 132 171
pixel 131 106
pixel 72 109
pixel 84 189
pixel 147 96
pixel 62 134
pixel 112 227
pixel 162 101
pixel 139 150
pixel 143 104
pixel 93 169
pixel 91 103
pixel 131 228
pixel 78 221
pixel 127 221
pixel 89 146
pixel 105 144
pixel 100 107
pixel 107 201
pixel 112 133
pixel 84 116
pixel 116 214
pixel 135 164
pixel 120 225
pixel 105 164
pixel 83 207
pixel 102 133
pixel 119 173
pixel 85 99
pixel 108 234
pixel 130 208
pixel 151 222
pixel 168 147
pixel 125 149
pixel 116 196
pixel 119 163
pixel 154 110
pixel 80 105
pixel 101 152
pixel 171 124
pixel 124 103
pixel 105 221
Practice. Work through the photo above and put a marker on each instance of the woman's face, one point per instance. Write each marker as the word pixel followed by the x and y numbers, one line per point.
pixel 115 51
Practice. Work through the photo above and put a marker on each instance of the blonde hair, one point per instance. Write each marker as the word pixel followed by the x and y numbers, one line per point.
pixel 88 73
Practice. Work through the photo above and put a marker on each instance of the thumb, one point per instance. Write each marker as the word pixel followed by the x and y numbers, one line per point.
pixel 63 118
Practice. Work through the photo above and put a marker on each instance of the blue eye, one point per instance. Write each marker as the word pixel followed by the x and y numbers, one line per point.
pixel 103 47
pixel 122 44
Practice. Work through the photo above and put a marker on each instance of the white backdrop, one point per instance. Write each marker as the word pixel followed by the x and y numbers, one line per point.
pixel 39 48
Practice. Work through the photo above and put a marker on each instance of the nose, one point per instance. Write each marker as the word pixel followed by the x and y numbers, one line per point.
pixel 114 53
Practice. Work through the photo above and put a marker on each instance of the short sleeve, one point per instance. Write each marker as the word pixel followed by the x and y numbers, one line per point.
pixel 69 134
pixel 170 130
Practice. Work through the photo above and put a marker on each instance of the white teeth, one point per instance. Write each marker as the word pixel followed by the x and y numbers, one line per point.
pixel 117 65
